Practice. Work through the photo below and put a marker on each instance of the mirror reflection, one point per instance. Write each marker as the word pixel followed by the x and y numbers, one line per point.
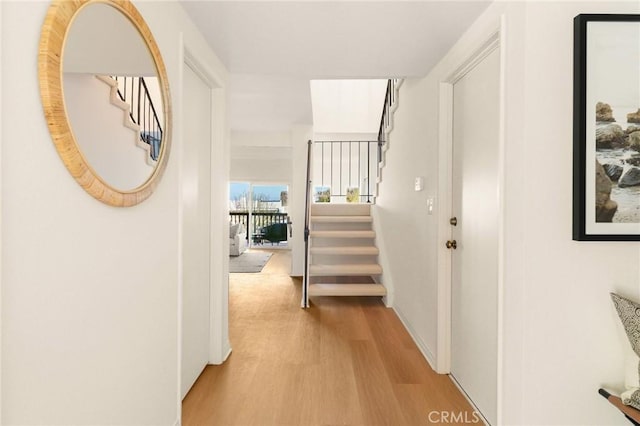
pixel 112 97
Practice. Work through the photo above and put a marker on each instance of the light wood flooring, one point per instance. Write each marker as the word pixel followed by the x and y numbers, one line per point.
pixel 344 361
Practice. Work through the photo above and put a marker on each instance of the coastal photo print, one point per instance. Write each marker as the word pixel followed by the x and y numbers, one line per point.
pixel 606 120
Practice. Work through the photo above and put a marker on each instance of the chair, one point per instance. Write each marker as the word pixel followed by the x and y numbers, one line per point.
pixel 274 233
pixel 237 239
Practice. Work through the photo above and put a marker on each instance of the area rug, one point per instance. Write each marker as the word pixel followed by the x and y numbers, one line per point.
pixel 248 262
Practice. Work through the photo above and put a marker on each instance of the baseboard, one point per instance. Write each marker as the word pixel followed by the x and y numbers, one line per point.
pixel 426 353
pixel 388 299
pixel 225 352
pixel 473 405
pixel 228 354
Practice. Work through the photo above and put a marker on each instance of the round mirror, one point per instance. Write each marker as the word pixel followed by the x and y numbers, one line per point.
pixel 105 95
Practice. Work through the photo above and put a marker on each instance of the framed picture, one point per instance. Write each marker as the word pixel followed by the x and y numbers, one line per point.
pixel 606 125
pixel 322 194
pixel 353 194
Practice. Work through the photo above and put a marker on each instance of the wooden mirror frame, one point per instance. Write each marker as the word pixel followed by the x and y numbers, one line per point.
pixel 55 29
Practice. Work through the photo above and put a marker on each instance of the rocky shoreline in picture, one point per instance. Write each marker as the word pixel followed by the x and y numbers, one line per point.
pixel 617 167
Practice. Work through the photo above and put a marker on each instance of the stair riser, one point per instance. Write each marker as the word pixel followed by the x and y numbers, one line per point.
pixel 341 242
pixel 341 226
pixel 344 271
pixel 340 209
pixel 343 274
pixel 327 259
pixel 345 251
pixel 346 290
pixel 333 219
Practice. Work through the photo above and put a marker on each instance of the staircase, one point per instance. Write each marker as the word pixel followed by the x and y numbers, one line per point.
pixel 343 255
pixel 131 95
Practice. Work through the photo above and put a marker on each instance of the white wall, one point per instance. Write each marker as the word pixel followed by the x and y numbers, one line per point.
pixel 565 285
pixel 347 106
pixel 261 164
pixel 261 156
pixel 89 292
pixel 372 136
pixel 264 139
pixel 413 272
pixel 560 337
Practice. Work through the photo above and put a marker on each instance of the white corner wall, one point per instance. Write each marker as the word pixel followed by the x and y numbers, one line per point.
pixel 567 312
pixel 560 339
pixel 401 213
pixel 90 326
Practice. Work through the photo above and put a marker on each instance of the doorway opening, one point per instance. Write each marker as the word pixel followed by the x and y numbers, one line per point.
pixel 262 209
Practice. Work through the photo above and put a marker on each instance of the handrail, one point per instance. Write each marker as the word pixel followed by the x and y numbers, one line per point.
pixel 141 111
pixel 307 210
pixel 385 120
pixel 385 112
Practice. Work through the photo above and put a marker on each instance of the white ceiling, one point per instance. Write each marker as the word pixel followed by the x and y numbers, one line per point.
pixel 273 48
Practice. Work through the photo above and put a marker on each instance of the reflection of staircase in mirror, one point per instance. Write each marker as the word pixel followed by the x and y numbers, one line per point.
pixel 131 96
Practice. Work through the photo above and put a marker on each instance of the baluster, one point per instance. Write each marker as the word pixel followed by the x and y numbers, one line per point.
pixel 341 165
pixel 139 94
pixel 369 172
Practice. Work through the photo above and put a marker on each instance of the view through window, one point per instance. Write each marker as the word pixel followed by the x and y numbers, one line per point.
pixel 262 209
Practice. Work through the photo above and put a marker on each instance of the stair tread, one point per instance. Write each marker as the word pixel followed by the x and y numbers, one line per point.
pixel 341 219
pixel 353 250
pixel 348 269
pixel 342 234
pixel 321 289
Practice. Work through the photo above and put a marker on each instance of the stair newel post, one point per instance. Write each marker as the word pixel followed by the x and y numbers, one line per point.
pixel 307 212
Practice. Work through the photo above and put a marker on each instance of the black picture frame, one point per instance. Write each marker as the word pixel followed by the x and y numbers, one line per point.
pixel 592 218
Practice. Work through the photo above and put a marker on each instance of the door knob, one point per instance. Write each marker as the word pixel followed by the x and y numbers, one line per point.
pixel 452 244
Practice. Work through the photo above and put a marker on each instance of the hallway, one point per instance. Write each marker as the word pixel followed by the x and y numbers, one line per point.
pixel 345 361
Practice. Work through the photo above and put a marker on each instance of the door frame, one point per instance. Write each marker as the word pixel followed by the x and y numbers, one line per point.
pixel 495 39
pixel 219 345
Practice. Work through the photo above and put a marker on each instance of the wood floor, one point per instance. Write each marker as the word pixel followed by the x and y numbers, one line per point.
pixel 344 361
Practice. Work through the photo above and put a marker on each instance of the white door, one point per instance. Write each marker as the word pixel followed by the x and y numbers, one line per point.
pixel 475 261
pixel 196 208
